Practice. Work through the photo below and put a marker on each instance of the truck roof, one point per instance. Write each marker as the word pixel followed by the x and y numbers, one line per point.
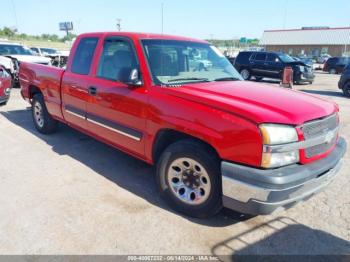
pixel 137 35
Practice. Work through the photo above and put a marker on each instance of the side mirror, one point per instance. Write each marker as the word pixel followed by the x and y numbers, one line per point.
pixel 135 78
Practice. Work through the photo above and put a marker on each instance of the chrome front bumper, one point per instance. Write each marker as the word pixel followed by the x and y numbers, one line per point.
pixel 257 191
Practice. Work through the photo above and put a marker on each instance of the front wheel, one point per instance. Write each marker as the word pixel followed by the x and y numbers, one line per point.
pixel 188 177
pixel 346 89
pixel 43 122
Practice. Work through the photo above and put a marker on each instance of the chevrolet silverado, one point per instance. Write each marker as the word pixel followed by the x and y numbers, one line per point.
pixel 215 139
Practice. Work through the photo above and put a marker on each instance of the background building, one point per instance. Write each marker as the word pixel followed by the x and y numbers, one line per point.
pixel 311 41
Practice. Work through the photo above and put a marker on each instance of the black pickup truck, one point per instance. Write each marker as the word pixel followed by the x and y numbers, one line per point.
pixel 271 65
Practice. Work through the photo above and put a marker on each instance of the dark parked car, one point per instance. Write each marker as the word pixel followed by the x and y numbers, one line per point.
pixel 271 65
pixel 5 86
pixel 344 82
pixel 336 65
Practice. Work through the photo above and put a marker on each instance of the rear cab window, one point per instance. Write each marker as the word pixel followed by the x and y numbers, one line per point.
pixel 83 56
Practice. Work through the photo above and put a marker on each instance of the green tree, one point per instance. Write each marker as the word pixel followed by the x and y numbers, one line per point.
pixel 8 32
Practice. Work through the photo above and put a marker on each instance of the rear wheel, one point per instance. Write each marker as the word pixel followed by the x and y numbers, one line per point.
pixel 332 71
pixel 188 177
pixel 346 89
pixel 43 122
pixel 245 73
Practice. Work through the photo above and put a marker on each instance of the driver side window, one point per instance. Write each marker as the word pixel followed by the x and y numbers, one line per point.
pixel 117 60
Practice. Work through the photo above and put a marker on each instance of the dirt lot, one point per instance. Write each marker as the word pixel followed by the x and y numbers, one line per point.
pixel 69 194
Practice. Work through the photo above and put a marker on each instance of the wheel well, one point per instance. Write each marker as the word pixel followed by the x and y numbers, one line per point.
pixel 167 137
pixel 33 90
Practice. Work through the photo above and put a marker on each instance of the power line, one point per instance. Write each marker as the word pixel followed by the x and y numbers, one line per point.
pixel 162 18
pixel 285 14
pixel 15 13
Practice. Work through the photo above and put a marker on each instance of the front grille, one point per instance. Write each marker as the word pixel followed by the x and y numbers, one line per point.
pixel 319 149
pixel 319 128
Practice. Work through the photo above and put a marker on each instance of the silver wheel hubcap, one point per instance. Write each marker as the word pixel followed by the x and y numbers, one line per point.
pixel 189 181
pixel 245 74
pixel 38 114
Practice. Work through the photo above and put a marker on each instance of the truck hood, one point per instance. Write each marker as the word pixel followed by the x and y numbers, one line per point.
pixel 259 103
pixel 32 59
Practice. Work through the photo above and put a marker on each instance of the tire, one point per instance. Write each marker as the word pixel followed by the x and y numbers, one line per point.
pixel 43 122
pixel 245 73
pixel 178 181
pixel 332 71
pixel 258 78
pixel 346 89
pixel 3 104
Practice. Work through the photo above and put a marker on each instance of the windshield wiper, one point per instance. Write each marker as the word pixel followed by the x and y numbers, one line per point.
pixel 189 78
pixel 227 79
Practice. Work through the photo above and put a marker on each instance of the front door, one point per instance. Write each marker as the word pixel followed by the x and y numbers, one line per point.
pixel 274 66
pixel 116 112
pixel 75 83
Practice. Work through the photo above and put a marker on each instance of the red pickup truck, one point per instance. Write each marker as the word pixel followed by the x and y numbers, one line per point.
pixel 179 104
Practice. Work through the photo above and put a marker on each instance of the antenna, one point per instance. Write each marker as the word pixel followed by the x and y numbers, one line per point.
pixel 162 18
pixel 119 24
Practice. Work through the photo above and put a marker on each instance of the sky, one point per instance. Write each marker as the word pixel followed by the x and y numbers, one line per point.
pixel 205 19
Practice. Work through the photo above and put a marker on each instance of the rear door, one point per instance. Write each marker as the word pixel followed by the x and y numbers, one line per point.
pixel 116 112
pixel 76 82
pixel 258 64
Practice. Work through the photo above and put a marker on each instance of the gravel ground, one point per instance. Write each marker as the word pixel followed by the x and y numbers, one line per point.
pixel 69 194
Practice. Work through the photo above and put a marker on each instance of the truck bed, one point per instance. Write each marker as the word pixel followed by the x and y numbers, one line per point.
pixel 48 80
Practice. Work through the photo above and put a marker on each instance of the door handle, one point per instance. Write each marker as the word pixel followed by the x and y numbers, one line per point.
pixel 92 90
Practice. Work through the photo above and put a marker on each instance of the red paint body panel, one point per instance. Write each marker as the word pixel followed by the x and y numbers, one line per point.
pixel 226 115
pixel 5 83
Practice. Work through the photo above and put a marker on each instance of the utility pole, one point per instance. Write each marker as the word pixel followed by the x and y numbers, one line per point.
pixel 119 24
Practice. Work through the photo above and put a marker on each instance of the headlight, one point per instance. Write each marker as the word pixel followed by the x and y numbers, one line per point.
pixel 272 160
pixel 274 134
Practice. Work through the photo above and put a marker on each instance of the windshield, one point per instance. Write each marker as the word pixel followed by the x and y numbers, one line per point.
pixel 286 58
pixel 14 50
pixel 177 62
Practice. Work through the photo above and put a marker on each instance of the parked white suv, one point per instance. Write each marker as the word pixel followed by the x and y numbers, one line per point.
pixel 21 53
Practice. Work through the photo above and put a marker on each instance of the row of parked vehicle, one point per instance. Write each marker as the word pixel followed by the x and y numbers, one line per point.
pixel 11 54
